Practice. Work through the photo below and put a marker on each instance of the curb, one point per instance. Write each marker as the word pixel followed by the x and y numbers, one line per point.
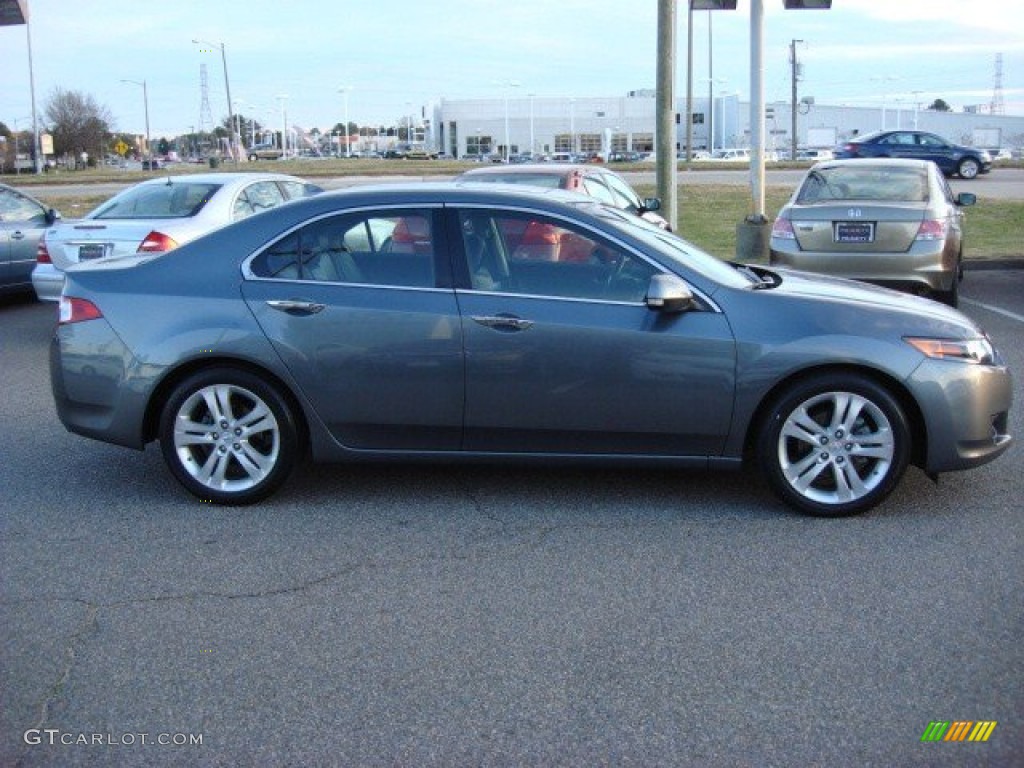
pixel 993 264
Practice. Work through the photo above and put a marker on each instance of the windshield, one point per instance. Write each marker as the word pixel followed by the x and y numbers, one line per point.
pixel 170 200
pixel 864 182
pixel 673 249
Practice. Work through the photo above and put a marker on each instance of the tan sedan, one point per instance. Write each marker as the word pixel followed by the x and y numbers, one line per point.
pixel 885 221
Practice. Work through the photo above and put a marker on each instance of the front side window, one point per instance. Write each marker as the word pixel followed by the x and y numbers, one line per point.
pixel 393 248
pixel 166 200
pixel 527 254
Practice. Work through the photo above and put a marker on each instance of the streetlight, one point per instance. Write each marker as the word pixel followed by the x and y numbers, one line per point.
pixel 227 87
pixel 508 84
pixel 348 145
pixel 145 101
pixel 281 99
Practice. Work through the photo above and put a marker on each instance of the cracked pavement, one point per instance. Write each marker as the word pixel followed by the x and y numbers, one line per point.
pixel 426 615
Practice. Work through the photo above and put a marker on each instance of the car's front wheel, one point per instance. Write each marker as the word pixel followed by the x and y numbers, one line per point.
pixel 968 168
pixel 228 436
pixel 834 445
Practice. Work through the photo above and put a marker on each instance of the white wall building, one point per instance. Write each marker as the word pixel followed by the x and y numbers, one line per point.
pixel 549 125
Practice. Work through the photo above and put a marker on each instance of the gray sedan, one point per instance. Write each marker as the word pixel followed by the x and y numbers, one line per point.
pixel 421 322
pixel 23 219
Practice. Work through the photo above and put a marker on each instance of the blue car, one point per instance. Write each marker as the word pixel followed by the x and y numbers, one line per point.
pixel 965 162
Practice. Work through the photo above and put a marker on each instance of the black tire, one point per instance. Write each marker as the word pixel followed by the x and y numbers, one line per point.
pixel 228 436
pixel 834 445
pixel 952 296
pixel 968 168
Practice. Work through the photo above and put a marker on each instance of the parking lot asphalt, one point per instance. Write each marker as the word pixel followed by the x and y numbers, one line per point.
pixel 420 616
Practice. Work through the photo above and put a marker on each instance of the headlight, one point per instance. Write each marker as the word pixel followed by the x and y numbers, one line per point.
pixel 978 350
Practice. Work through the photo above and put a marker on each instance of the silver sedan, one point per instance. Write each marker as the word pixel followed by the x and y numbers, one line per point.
pixel 419 322
pixel 158 215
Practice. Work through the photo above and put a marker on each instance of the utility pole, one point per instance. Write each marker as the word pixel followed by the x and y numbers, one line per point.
pixel 665 108
pixel 794 77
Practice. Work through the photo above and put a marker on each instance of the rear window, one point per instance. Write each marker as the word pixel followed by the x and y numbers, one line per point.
pixel 545 180
pixel 176 200
pixel 864 183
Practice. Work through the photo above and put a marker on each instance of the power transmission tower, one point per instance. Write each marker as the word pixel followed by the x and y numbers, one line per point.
pixel 205 113
pixel 997 107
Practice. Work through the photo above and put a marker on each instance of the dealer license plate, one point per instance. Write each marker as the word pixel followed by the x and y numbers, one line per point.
pixel 854 232
pixel 92 251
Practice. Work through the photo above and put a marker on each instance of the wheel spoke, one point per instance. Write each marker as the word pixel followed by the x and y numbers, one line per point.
pixel 211 474
pixel 259 419
pixel 255 464
pixel 849 485
pixel 800 426
pixel 803 473
pixel 878 445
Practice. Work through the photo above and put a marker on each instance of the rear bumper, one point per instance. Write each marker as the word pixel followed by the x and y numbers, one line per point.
pixel 48 282
pixel 926 266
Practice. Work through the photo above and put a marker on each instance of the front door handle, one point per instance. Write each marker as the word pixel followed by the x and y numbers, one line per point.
pixel 296 306
pixel 503 322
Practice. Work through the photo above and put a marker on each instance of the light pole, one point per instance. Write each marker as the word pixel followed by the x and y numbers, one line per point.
pixel 227 88
pixel 348 145
pixel 507 85
pixel 281 99
pixel 794 79
pixel 533 139
pixel 145 101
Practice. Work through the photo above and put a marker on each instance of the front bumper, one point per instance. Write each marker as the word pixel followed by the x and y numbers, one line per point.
pixel 966 412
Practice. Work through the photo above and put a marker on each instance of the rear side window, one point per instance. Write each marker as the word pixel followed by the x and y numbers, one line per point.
pixel 171 200
pixel 392 248
pixel 256 198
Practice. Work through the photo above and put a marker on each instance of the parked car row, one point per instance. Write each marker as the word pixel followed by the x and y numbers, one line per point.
pixel 462 321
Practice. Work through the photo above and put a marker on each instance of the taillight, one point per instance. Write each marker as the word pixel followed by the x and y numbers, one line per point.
pixel 75 310
pixel 932 229
pixel 783 229
pixel 42 254
pixel 851 148
pixel 156 242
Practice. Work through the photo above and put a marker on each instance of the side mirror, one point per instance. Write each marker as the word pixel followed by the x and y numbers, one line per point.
pixel 51 216
pixel 966 198
pixel 650 204
pixel 668 293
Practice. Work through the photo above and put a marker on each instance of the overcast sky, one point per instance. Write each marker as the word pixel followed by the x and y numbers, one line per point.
pixel 398 55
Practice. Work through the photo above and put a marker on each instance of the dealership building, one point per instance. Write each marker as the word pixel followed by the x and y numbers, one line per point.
pixel 548 125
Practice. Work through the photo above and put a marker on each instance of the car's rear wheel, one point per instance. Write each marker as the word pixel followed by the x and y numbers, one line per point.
pixel 228 436
pixel 834 445
pixel 968 168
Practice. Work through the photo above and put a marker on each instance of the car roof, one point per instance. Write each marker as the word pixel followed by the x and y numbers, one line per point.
pixel 222 178
pixel 870 162
pixel 550 169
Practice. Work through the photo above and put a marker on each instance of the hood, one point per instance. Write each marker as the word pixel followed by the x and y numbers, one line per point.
pixel 822 287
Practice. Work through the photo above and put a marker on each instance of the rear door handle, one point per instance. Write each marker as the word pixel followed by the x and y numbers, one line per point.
pixel 296 306
pixel 503 322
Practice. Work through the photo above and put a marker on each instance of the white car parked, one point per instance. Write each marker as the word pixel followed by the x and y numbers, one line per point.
pixel 158 215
